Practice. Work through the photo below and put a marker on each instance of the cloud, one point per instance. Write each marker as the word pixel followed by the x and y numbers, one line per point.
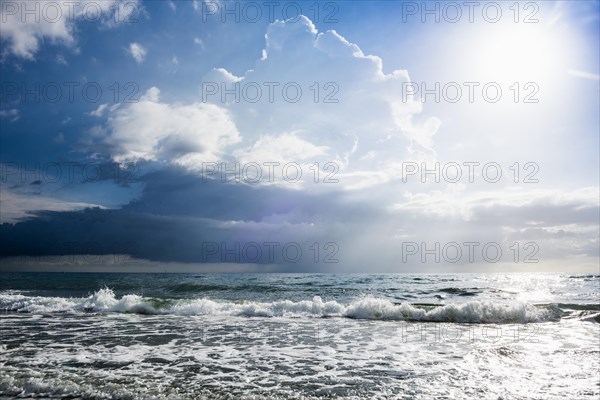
pixel 11 114
pixel 199 42
pixel 24 36
pixel 183 134
pixel 118 12
pixel 332 97
pixel 60 59
pixel 178 212
pixel 346 109
pixel 280 148
pixel 137 51
pixel 54 22
pixel 511 207
pixel 350 112
pixel 16 207
pixel 98 112
pixel 172 225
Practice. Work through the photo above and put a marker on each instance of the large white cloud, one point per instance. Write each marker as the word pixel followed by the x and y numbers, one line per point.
pixel 349 105
pixel 349 112
pixel 25 25
pixel 186 134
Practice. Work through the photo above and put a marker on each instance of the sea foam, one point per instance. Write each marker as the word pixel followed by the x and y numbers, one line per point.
pixel 367 308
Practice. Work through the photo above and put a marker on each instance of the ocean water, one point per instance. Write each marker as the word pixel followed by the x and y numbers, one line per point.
pixel 299 336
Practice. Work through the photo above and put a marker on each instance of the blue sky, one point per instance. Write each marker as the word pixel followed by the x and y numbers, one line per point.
pixel 140 173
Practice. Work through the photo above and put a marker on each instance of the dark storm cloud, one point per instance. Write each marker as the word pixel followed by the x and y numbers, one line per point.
pixel 176 193
pixel 179 217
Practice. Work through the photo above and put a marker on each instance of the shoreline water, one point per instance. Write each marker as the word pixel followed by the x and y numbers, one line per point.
pixel 300 336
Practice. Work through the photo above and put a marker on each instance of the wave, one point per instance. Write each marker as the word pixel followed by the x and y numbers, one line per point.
pixel 368 308
pixel 586 278
pixel 197 288
pixel 460 292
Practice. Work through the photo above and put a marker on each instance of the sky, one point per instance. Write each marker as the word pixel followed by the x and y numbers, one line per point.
pixel 356 136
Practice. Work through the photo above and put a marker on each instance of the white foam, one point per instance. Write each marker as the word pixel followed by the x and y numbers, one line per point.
pixel 35 305
pixel 105 300
pixel 369 308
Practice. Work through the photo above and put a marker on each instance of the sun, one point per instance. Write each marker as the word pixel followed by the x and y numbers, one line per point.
pixel 517 53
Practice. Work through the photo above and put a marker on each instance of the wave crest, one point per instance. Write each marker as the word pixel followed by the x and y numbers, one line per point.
pixel 369 308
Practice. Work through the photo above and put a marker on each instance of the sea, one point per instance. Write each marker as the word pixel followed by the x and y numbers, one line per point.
pixel 299 336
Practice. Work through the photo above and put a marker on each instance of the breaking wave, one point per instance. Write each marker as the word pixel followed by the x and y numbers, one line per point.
pixel 367 308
